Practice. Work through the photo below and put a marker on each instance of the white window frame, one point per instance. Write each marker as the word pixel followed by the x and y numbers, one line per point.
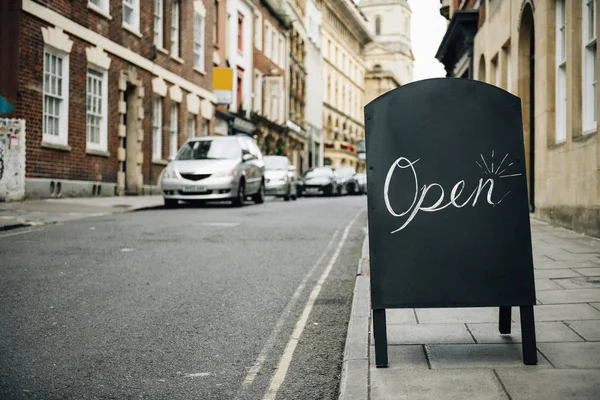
pixel 92 113
pixel 101 6
pixel 157 121
pixel 175 27
pixel 590 67
pixel 191 126
pixel 268 35
pixel 134 6
pixel 62 117
pixel 159 22
pixel 173 129
pixel 258 89
pixel 199 39
pixel 258 30
pixel 561 73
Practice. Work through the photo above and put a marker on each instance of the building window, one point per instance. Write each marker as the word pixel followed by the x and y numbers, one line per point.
pixel 157 129
pixel 282 51
pixel 258 28
pixel 205 127
pixel 258 92
pixel 198 41
pixel 507 68
pixel 173 130
pixel 131 14
pixel 275 46
pixel 240 87
pixel 56 97
pixel 590 65
pixel 268 45
pixel 192 126
pixel 561 73
pixel 240 33
pixel 175 28
pixel 496 71
pixel 216 23
pixel 101 5
pixel 378 25
pixel 96 112
pixel 158 23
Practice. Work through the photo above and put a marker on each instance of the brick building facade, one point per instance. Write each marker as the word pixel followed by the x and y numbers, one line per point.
pixel 109 88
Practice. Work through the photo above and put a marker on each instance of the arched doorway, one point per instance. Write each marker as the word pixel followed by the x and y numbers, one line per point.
pixel 526 88
pixel 481 71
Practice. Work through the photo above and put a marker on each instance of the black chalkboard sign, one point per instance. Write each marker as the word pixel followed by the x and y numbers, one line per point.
pixel 447 201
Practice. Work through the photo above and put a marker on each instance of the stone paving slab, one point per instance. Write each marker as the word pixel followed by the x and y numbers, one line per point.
pixel 442 356
pixel 546 284
pixel 565 296
pixel 551 384
pixel 581 282
pixel 454 315
pixel 428 333
pixel 595 305
pixel 560 312
pixel 589 330
pixel 572 355
pixel 557 273
pixel 544 332
pixel 565 264
pixel 588 271
pixel 405 357
pixel 389 384
pixel 400 316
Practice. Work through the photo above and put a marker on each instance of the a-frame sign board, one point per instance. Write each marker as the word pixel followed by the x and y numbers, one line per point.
pixel 448 204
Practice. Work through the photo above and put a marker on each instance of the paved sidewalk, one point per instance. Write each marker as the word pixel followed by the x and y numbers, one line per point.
pixel 41 212
pixel 458 353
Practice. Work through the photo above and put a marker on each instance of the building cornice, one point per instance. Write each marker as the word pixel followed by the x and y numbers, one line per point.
pixel 353 17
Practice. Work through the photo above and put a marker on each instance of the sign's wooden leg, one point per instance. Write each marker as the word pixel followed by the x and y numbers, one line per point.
pixel 380 335
pixel 528 335
pixel 504 320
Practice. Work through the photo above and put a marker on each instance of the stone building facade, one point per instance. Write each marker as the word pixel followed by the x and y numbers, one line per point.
pixel 109 89
pixel 546 52
pixel 389 58
pixel 345 35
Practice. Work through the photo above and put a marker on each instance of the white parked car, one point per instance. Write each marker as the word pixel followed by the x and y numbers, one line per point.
pixel 215 168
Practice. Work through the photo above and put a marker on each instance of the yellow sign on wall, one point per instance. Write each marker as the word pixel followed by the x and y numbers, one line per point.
pixel 223 85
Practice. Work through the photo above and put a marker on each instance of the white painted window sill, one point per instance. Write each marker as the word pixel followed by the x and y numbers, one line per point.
pixel 179 60
pixel 162 50
pixel 160 162
pixel 56 146
pixel 99 11
pixel 585 135
pixel 99 153
pixel 200 71
pixel 132 30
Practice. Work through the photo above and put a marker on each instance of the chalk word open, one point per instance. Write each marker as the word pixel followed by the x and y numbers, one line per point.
pixel 419 199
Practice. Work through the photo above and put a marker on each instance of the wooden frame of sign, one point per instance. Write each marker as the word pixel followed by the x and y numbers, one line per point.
pixel 448 204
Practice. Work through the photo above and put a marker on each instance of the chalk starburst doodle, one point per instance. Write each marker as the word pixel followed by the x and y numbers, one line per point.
pixel 500 171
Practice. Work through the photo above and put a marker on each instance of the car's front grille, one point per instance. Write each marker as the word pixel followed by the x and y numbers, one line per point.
pixel 195 177
pixel 206 192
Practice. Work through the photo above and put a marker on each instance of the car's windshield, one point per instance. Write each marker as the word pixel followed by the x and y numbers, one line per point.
pixel 277 163
pixel 215 149
pixel 344 172
pixel 319 172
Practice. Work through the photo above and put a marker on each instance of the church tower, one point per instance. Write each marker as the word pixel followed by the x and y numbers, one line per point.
pixel 389 59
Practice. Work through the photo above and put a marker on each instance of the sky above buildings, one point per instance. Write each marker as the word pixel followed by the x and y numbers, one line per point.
pixel 427 30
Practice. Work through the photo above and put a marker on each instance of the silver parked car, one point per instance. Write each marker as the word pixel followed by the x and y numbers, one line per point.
pixel 215 168
pixel 280 178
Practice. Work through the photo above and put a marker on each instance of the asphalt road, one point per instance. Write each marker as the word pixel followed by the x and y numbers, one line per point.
pixel 194 303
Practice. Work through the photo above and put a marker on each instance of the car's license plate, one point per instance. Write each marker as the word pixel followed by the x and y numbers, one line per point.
pixel 194 189
pixel 312 190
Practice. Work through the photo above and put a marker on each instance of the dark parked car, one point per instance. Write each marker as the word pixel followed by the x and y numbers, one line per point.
pixel 319 181
pixel 346 179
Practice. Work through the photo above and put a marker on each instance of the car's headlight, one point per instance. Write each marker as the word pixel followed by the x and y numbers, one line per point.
pixel 225 173
pixel 169 172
